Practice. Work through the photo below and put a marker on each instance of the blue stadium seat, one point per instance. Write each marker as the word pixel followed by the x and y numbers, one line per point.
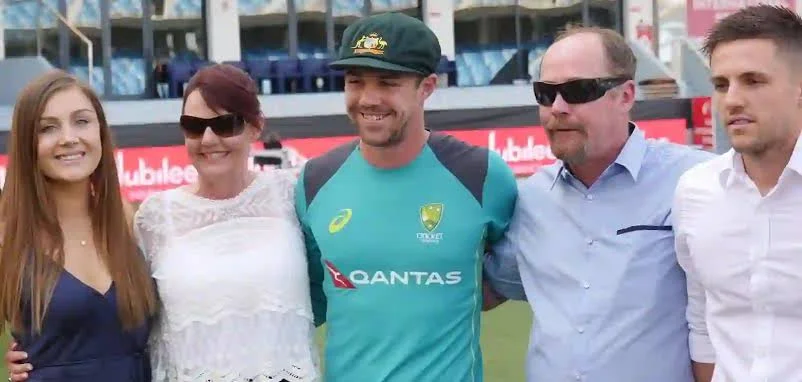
pixel 251 7
pixel 347 7
pixel 261 70
pixel 239 64
pixel 178 73
pixel 287 71
pixel 128 76
pixel 89 15
pixel 22 15
pixel 126 9
pixel 316 74
pixel 184 9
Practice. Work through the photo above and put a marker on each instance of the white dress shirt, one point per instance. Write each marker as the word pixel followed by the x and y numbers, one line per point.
pixel 742 253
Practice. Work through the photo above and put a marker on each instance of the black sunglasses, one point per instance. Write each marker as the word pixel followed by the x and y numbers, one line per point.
pixel 224 126
pixel 583 90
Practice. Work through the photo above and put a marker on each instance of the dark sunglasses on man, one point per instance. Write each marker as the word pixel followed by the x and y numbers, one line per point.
pixel 577 91
pixel 224 126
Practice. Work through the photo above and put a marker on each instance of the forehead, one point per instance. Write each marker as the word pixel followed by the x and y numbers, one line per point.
pixel 578 56
pixel 66 102
pixel 196 106
pixel 734 58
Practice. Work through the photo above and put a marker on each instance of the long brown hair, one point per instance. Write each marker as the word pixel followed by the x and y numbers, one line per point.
pixel 32 250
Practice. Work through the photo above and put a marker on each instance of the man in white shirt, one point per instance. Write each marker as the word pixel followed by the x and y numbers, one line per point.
pixel 738 218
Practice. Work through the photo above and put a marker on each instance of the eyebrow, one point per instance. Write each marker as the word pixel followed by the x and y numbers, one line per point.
pixel 84 110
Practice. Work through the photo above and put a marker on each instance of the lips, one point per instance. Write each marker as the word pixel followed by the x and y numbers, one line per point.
pixel 739 120
pixel 71 157
pixel 214 154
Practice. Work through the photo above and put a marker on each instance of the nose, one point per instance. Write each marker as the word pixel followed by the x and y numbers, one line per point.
pixel 559 106
pixel 732 97
pixel 209 137
pixel 68 135
pixel 369 97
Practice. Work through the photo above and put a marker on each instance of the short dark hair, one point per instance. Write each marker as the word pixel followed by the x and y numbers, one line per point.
pixel 225 87
pixel 776 23
pixel 621 60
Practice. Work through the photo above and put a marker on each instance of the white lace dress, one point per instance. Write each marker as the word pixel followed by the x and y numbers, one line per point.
pixel 232 277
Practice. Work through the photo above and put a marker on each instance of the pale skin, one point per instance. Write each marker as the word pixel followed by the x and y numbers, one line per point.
pixel 758 92
pixel 222 163
pixel 387 109
pixel 587 137
pixel 223 173
pixel 69 150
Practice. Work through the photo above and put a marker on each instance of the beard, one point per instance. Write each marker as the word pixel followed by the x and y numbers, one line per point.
pixel 568 140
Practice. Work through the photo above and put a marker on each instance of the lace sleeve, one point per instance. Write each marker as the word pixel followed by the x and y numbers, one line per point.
pixel 149 226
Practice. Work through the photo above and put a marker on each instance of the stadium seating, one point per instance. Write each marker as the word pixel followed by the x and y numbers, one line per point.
pixel 126 9
pixel 23 15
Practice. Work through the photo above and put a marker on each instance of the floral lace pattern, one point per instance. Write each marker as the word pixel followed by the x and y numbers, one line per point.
pixel 232 277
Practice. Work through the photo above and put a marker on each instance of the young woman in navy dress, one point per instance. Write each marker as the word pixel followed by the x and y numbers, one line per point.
pixel 74 288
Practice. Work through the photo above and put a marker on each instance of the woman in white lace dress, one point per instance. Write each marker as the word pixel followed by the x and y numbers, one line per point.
pixel 227 252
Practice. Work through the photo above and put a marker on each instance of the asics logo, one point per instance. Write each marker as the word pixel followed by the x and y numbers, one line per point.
pixel 340 220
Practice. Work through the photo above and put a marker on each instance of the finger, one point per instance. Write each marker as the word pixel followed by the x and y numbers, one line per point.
pixel 16 356
pixel 20 368
pixel 19 377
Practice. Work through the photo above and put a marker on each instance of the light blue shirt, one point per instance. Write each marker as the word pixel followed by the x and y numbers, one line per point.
pixel 599 269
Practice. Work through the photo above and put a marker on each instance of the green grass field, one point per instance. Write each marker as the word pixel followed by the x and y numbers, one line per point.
pixel 505 333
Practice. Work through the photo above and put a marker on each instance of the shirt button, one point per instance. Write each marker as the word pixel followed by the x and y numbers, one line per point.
pixel 590 241
pixel 580 329
pixel 585 285
pixel 589 196
pixel 578 376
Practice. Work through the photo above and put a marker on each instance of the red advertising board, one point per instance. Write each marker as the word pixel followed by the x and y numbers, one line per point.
pixel 144 170
pixel 701 116
pixel 702 14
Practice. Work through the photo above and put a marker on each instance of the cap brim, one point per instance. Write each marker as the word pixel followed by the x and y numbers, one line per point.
pixel 371 63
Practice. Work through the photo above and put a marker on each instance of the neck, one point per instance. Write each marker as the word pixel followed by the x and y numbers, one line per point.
pixel 399 155
pixel 765 169
pixel 590 169
pixel 224 187
pixel 71 200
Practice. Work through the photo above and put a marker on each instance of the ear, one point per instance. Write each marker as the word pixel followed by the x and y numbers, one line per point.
pixel 428 85
pixel 627 95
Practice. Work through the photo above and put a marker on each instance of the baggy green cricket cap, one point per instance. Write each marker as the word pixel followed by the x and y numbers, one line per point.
pixel 389 41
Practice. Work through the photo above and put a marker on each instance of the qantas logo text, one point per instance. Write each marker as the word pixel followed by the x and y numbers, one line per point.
pixel 360 277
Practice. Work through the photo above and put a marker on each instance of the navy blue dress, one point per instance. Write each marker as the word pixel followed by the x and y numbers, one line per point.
pixel 82 339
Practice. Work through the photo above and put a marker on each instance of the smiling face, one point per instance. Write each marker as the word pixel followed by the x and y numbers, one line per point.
pixel 214 156
pixel 68 137
pixel 757 93
pixel 382 104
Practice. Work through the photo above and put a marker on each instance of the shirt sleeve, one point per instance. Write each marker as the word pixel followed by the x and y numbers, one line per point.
pixel 701 348
pixel 313 256
pixel 500 195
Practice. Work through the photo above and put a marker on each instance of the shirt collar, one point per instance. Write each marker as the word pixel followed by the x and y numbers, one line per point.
pixel 630 157
pixel 736 170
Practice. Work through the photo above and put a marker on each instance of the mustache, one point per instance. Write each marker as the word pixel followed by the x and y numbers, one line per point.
pixel 556 125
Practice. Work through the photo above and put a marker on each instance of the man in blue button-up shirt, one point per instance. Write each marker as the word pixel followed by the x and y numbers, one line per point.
pixel 591 243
